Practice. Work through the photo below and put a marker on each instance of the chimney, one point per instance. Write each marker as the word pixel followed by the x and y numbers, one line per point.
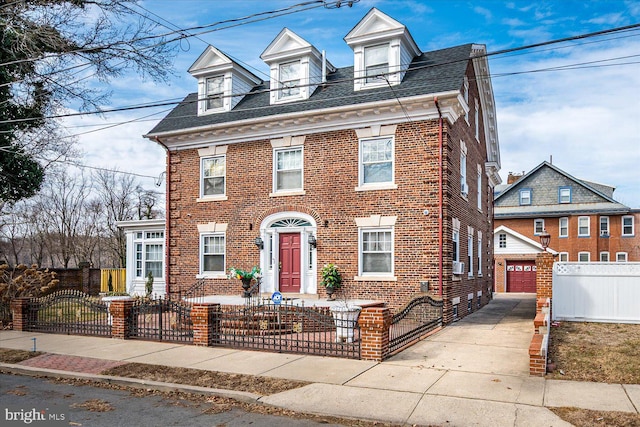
pixel 513 177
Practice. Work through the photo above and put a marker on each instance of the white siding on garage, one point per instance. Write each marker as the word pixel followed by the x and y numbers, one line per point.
pixel 596 292
pixel 514 246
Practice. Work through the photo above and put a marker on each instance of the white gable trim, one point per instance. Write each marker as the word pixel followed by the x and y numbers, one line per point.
pixel 535 246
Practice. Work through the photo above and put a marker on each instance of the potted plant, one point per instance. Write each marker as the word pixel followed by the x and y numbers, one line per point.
pixel 331 279
pixel 246 277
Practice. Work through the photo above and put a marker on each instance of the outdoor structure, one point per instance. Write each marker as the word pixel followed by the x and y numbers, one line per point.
pixel 385 168
pixel 583 220
pixel 145 254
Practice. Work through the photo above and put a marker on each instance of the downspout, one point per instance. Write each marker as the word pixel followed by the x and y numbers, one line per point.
pixel 167 217
pixel 440 207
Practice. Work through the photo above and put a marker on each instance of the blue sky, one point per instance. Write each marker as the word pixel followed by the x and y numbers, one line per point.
pixel 586 118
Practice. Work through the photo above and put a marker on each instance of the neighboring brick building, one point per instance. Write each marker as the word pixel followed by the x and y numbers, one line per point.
pixel 340 165
pixel 583 219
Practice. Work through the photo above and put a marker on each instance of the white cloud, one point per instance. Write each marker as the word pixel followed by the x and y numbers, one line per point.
pixel 486 13
pixel 587 119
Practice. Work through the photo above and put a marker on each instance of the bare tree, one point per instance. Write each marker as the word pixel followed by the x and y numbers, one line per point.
pixel 53 53
pixel 118 194
pixel 63 200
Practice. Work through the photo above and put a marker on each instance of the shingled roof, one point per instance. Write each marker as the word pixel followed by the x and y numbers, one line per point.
pixel 432 72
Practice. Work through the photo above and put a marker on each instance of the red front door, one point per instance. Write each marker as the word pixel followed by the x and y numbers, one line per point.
pixel 289 262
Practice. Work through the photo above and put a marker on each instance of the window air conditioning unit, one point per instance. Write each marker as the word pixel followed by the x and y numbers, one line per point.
pixel 604 234
pixel 458 267
pixel 464 188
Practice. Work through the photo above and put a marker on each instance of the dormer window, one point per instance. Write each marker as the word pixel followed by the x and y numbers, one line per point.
pixel 221 81
pixel 214 92
pixel 290 80
pixel 382 51
pixel 376 63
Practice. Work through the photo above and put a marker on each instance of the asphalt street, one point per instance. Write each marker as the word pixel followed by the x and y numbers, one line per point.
pixel 89 406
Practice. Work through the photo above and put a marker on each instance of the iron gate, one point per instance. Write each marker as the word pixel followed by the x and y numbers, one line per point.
pixel 420 316
pixel 285 328
pixel 68 312
pixel 160 320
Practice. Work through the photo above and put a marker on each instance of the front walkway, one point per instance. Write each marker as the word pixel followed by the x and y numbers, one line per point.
pixel 473 372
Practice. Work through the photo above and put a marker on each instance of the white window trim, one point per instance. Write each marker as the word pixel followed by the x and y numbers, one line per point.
pixel 626 256
pixel 380 277
pixel 479 189
pixel 608 221
pixel 603 253
pixel 633 225
pixel 391 185
pixel 144 241
pixel 464 186
pixel 477 120
pixel 465 96
pixel 563 254
pixel 291 191
pixel 560 227
pixel 588 226
pixel 535 222
pixel 479 254
pixel 500 240
pixel 387 76
pixel 583 253
pixel 281 86
pixel 212 197
pixel 470 251
pixel 211 274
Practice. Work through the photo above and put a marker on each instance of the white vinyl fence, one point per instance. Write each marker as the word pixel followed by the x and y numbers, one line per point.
pixel 596 292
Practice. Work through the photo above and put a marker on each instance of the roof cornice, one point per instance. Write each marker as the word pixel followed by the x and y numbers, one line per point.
pixel 420 107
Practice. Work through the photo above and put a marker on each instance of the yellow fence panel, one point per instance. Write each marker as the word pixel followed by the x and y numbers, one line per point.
pixel 118 279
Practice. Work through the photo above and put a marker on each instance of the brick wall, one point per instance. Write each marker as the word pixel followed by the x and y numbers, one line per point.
pixel 330 170
pixel 574 244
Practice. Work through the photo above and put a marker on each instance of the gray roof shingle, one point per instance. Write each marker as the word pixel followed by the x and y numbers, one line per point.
pixel 432 72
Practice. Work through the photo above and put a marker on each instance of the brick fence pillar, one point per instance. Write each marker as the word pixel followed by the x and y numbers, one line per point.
pixel 120 310
pixel 544 275
pixel 374 325
pixel 20 310
pixel 206 325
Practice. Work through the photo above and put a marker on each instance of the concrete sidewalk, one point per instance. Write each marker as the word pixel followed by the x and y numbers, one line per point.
pixel 473 372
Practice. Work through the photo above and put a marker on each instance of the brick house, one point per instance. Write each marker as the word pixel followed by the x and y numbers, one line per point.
pixel 337 165
pixel 584 221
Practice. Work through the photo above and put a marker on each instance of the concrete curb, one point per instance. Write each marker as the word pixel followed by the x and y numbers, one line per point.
pixel 242 396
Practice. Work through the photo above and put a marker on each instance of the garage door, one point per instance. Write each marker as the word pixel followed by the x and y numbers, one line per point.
pixel 521 276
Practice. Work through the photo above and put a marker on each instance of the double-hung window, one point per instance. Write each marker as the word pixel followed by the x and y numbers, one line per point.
pixel 214 91
pixel 604 226
pixel 479 189
pixel 627 226
pixel 288 169
pixel 564 195
pixel 376 63
pixel 584 256
pixel 212 253
pixel 583 226
pixel 525 197
pixel 213 176
pixel 538 226
pixel 149 252
pixel 289 80
pixel 376 252
pixel 376 161
pixel 563 227
pixel 563 257
pixel 621 257
pixel 604 256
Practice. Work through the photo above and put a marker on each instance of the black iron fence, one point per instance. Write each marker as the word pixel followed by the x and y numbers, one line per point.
pixel 420 316
pixel 286 328
pixel 68 312
pixel 160 320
